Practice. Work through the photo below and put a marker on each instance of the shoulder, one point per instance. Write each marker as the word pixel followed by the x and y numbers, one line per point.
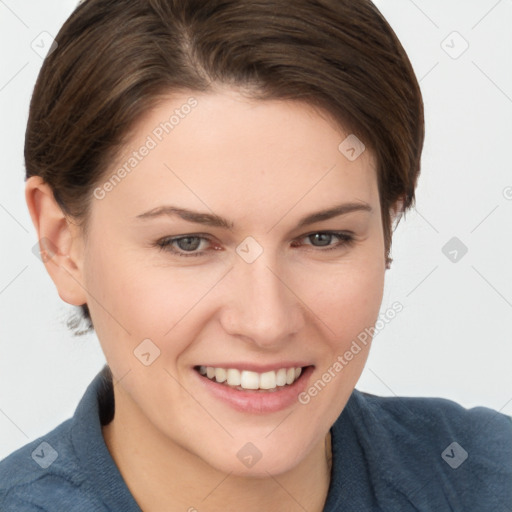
pixel 435 417
pixel 34 475
pixel 70 467
pixel 435 450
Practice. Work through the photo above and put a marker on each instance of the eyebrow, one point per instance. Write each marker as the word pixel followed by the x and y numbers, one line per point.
pixel 211 219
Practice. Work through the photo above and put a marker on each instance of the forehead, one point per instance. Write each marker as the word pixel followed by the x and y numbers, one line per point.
pixel 251 155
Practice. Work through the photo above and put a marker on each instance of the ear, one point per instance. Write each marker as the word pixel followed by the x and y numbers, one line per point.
pixel 60 241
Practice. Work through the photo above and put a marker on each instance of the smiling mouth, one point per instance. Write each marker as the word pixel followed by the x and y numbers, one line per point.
pixel 245 380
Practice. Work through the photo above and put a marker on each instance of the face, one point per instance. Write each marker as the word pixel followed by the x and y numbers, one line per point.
pixel 209 250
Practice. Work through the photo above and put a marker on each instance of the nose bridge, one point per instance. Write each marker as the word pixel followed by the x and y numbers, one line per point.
pixel 262 308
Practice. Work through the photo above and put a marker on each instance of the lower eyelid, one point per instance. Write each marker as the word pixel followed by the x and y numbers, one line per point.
pixel 172 241
pixel 344 239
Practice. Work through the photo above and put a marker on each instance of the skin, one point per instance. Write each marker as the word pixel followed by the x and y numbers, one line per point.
pixel 262 165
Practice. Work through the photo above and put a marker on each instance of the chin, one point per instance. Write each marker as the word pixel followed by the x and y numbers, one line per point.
pixel 250 461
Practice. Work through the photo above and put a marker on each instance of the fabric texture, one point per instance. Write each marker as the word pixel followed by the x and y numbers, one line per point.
pixel 389 454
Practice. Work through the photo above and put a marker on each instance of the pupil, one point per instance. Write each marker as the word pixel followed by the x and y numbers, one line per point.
pixel 323 238
pixel 189 243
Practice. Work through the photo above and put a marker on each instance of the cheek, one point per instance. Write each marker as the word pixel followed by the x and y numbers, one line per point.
pixel 349 310
pixel 347 300
pixel 133 292
pixel 132 300
pixel 348 305
pixel 158 300
pixel 348 296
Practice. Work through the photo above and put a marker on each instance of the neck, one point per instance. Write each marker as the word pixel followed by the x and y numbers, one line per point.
pixel 162 475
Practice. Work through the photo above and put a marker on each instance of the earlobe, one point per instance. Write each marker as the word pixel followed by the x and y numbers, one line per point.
pixel 60 241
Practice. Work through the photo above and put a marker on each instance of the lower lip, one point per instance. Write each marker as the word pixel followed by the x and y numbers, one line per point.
pixel 255 401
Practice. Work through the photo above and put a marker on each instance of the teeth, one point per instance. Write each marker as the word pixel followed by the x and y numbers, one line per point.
pixel 234 377
pixel 268 380
pixel 281 377
pixel 220 374
pixel 252 380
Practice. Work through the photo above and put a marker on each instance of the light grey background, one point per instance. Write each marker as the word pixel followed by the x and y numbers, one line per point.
pixel 453 338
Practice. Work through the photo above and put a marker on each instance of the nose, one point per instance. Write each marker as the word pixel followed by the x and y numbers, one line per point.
pixel 262 307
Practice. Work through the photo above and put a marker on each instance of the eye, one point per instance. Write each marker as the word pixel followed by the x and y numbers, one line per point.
pixel 325 238
pixel 188 245
pixel 183 245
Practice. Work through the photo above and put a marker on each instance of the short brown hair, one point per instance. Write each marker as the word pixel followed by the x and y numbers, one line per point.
pixel 115 59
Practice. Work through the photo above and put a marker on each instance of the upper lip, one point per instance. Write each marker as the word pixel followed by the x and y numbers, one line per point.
pixel 259 368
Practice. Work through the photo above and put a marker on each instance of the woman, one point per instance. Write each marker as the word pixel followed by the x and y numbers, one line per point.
pixel 215 185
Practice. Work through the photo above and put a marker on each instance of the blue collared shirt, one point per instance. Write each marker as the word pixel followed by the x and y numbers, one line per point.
pixel 389 454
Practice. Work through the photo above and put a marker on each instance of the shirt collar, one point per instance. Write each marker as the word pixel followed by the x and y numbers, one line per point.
pixel 87 439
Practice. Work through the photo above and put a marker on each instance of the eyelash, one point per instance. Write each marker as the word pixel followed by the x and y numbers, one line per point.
pixel 165 244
